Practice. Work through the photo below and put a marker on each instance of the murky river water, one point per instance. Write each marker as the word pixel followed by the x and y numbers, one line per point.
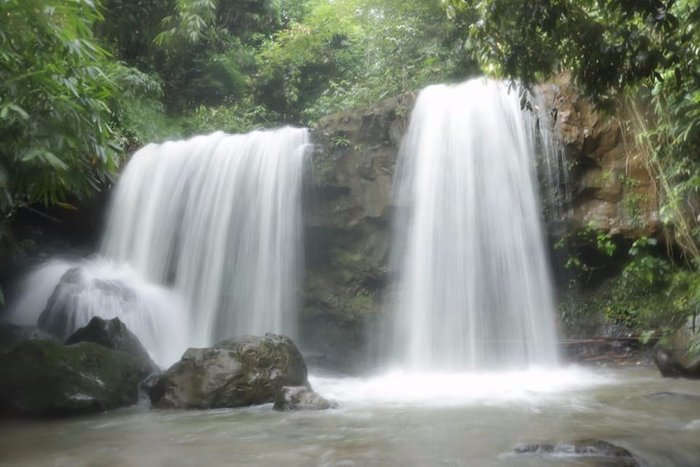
pixel 395 420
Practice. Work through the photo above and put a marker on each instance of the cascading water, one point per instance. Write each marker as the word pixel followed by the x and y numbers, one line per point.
pixel 552 159
pixel 474 290
pixel 205 234
pixel 219 218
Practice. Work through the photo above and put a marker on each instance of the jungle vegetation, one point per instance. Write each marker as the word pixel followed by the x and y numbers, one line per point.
pixel 85 82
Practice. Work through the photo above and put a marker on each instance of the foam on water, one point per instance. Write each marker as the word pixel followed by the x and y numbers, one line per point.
pixel 405 388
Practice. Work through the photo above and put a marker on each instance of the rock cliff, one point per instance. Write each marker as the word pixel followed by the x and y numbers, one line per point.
pixel 348 184
pixel 610 187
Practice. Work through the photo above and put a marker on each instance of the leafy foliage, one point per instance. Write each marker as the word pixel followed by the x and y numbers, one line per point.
pixel 55 137
pixel 650 302
pixel 589 250
pixel 350 52
pixel 609 45
pixel 646 271
pixel 647 50
pixel 239 117
pixel 645 53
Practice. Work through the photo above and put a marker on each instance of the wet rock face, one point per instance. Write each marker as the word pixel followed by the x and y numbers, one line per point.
pixel 611 187
pixel 44 378
pixel 595 452
pixel 347 209
pixel 113 334
pixel 350 173
pixel 234 373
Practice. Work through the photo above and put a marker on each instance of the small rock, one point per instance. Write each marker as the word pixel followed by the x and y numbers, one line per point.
pixel 148 383
pixel 299 398
pixel 604 453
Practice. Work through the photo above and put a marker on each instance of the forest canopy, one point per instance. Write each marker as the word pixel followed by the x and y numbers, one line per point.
pixel 84 82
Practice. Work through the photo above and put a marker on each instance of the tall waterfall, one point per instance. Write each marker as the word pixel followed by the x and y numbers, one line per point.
pixel 474 289
pixel 212 223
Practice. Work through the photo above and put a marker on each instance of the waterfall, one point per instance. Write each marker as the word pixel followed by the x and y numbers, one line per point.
pixel 219 218
pixel 209 230
pixel 474 290
pixel 553 167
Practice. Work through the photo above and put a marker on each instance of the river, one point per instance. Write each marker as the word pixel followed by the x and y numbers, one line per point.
pixel 391 420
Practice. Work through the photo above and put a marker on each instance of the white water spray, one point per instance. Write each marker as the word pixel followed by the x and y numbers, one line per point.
pixel 219 218
pixel 474 288
pixel 203 241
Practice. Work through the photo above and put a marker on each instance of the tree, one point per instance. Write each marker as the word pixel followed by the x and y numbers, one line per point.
pixel 352 52
pixel 55 139
pixel 639 51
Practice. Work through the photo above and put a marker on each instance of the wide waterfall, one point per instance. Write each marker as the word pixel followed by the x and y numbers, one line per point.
pixel 203 242
pixel 474 289
pixel 219 218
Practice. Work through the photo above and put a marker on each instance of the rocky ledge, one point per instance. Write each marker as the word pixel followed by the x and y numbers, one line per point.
pixel 347 210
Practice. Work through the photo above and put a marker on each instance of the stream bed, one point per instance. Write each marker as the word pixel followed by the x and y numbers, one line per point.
pixel 391 420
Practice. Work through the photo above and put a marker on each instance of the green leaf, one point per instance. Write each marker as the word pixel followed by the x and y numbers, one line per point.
pixel 16 109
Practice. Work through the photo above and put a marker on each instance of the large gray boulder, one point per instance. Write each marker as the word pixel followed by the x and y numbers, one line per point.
pixel 113 334
pixel 234 373
pixel 44 378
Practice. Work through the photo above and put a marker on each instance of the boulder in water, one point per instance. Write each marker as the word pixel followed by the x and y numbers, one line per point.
pixel 114 334
pixel 234 373
pixel 299 398
pixel 44 378
pixel 602 452
pixel 673 366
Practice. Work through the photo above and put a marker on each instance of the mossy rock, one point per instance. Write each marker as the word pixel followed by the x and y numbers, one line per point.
pixel 47 379
pixel 113 334
pixel 11 334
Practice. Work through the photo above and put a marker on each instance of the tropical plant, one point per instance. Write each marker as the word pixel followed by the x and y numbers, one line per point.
pixel 55 137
